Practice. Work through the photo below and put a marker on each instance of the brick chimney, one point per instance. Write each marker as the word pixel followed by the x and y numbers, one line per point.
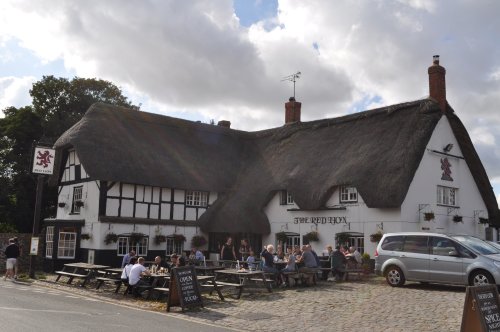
pixel 224 123
pixel 292 111
pixel 437 84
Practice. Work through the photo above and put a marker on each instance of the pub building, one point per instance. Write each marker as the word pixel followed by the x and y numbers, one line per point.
pixel 134 180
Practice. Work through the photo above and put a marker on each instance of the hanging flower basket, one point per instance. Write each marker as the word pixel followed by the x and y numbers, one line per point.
pixel 160 238
pixel 136 237
pixel 428 216
pixel 61 204
pixel 342 238
pixel 85 236
pixel 375 237
pixel 457 218
pixel 281 237
pixel 312 236
pixel 79 203
pixel 198 241
pixel 110 237
pixel 483 220
pixel 179 238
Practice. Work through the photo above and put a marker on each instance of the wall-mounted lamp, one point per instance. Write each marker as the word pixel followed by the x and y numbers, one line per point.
pixel 448 147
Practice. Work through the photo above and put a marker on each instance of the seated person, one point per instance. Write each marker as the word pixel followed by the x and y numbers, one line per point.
pixel 158 264
pixel 127 268
pixel 355 254
pixel 173 261
pixel 181 261
pixel 198 255
pixel 279 253
pixel 251 260
pixel 307 259
pixel 338 262
pixel 134 278
pixel 267 256
pixel 290 265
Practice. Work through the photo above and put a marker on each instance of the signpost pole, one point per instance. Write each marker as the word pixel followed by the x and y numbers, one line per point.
pixel 36 220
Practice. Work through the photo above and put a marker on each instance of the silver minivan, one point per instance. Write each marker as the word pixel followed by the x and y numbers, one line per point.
pixel 437 258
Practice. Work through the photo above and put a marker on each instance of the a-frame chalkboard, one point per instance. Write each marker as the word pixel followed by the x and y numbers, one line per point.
pixel 481 309
pixel 184 291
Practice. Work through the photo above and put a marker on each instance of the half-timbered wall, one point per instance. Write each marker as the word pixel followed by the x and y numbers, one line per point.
pixel 138 201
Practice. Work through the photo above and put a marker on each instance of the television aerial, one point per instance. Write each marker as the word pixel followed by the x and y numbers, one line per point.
pixel 292 78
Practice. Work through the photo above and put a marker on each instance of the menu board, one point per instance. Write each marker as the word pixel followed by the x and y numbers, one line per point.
pixel 481 309
pixel 184 289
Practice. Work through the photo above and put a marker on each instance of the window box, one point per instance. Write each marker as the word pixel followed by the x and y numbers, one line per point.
pixel 483 220
pixel 457 218
pixel 110 237
pixel 198 241
pixel 428 216
pixel 85 236
pixel 160 238
pixel 61 204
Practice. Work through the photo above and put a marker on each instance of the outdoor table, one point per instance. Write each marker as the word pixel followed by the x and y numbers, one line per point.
pixel 210 283
pixel 243 278
pixel 207 270
pixel 112 275
pixel 83 271
pixel 157 277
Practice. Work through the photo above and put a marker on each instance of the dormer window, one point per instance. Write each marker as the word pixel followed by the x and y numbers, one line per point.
pixel 286 198
pixel 348 195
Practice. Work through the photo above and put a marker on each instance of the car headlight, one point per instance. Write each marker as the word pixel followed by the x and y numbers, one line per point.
pixel 497 263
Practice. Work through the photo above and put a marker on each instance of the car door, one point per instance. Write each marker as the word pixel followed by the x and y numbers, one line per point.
pixel 415 257
pixel 446 263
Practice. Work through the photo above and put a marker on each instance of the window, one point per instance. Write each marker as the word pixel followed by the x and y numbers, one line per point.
pixel 174 247
pixel 416 244
pixel 67 245
pixel 393 243
pixel 446 195
pixel 196 198
pixel 348 195
pixel 49 241
pixel 125 246
pixel 286 198
pixel 77 200
pixel 442 246
pixel 292 240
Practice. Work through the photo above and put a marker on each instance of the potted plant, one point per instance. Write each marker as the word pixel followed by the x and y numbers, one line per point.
pixel 179 238
pixel 110 237
pixel 457 218
pixel 136 237
pixel 483 220
pixel 61 204
pixel 79 203
pixel 85 236
pixel 428 216
pixel 198 241
pixel 366 263
pixel 312 236
pixel 160 238
pixel 281 237
pixel 375 237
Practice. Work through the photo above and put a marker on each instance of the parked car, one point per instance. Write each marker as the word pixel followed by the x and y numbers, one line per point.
pixel 437 258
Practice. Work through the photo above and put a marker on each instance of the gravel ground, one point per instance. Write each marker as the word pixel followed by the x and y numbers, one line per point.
pixel 365 305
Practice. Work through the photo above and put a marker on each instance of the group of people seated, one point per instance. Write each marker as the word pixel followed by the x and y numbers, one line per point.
pixel 342 257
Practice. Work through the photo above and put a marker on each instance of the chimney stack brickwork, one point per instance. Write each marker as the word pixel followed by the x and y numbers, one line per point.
pixel 292 111
pixel 437 83
pixel 224 123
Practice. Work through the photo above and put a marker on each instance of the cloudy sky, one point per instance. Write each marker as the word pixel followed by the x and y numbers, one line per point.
pixel 225 59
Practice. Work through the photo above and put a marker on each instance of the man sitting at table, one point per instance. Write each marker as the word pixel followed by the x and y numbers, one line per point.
pixel 307 259
pixel 267 255
pixel 134 279
pixel 158 264
pixel 338 261
pixel 354 254
pixel 198 255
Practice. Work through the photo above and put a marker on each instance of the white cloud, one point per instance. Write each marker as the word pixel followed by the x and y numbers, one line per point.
pixel 14 91
pixel 194 58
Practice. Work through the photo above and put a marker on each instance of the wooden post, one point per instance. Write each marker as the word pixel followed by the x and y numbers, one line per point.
pixel 36 219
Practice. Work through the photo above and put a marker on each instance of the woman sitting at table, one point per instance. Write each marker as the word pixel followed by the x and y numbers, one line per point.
pixel 267 255
pixel 251 260
pixel 127 268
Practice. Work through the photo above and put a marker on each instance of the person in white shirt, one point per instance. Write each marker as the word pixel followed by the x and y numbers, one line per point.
pixel 127 268
pixel 134 278
pixel 355 254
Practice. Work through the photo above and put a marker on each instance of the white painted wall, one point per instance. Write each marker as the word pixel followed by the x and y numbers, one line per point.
pixel 90 198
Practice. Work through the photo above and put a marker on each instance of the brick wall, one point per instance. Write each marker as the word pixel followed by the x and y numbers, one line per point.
pixel 24 259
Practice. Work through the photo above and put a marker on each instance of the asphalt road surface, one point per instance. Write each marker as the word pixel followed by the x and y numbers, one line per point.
pixel 31 308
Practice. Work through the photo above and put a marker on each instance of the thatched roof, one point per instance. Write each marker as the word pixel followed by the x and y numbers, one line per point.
pixel 376 151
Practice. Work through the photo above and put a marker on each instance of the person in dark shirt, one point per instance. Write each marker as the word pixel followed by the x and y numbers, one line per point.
pixel 338 261
pixel 11 255
pixel 267 255
pixel 227 252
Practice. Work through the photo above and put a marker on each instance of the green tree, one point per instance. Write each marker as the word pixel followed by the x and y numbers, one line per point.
pixel 57 104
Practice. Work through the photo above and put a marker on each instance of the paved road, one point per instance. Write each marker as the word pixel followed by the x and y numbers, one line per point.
pixel 32 308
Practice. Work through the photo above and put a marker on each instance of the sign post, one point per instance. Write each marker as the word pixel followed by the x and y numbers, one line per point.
pixel 184 291
pixel 43 164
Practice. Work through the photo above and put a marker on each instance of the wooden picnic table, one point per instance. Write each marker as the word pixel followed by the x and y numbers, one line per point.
pixel 207 270
pixel 82 271
pixel 243 278
pixel 205 282
pixel 111 275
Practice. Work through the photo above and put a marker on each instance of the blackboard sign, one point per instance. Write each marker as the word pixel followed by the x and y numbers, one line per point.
pixel 184 289
pixel 481 309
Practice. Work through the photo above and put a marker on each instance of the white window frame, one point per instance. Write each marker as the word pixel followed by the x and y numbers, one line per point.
pixel 77 196
pixel 49 241
pixel 286 198
pixel 348 194
pixel 173 247
pixel 447 196
pixel 196 198
pixel 66 247
pixel 124 246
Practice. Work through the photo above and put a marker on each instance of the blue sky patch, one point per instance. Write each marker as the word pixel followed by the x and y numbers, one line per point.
pixel 253 11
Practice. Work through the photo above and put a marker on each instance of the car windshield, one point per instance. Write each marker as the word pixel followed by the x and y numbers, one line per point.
pixel 494 244
pixel 477 245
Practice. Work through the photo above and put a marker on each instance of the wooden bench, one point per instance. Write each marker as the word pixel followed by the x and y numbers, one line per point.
pixel 358 271
pixel 222 284
pixel 102 280
pixel 160 290
pixel 71 276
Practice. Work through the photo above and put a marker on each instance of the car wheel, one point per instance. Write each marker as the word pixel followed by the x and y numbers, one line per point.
pixel 479 278
pixel 394 276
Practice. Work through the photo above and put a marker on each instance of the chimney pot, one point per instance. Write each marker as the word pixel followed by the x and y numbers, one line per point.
pixel 437 83
pixel 224 123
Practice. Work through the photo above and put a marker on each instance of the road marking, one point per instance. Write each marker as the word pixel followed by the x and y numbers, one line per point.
pixel 45 310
